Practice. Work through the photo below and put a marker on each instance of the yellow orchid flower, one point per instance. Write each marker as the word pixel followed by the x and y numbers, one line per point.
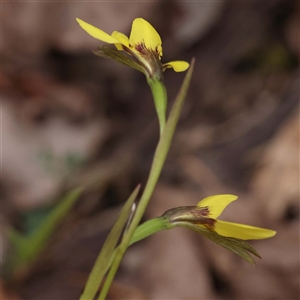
pixel 144 45
pixel 214 206
pixel 207 211
pixel 203 219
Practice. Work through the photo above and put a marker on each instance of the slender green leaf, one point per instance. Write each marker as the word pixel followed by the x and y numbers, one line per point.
pixel 27 248
pixel 43 233
pixel 104 258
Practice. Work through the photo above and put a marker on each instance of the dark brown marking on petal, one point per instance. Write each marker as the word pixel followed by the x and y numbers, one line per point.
pixel 127 50
pixel 190 214
pixel 210 223
pixel 141 48
pixel 153 66
pixel 201 211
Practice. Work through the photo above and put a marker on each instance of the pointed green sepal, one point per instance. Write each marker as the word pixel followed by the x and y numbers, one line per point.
pixel 234 245
pixel 114 54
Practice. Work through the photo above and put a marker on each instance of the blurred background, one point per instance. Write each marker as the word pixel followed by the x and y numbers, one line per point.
pixel 70 118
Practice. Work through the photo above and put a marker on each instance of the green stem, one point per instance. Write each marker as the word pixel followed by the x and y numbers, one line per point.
pixel 159 94
pixel 158 162
pixel 150 227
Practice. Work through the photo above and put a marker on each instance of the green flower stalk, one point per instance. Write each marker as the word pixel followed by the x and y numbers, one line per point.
pixel 157 165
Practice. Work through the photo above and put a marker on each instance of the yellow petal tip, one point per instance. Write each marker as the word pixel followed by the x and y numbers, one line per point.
pixel 178 65
pixel 242 231
pixel 96 32
pixel 217 203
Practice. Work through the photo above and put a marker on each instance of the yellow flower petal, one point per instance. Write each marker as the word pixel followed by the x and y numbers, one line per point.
pixel 122 38
pixel 178 65
pixel 144 32
pixel 216 204
pixel 97 33
pixel 241 231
